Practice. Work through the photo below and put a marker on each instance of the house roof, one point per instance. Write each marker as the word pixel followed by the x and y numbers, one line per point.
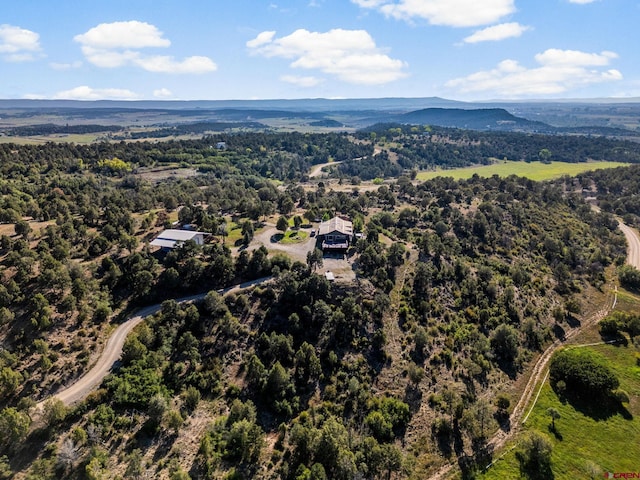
pixel 170 237
pixel 336 224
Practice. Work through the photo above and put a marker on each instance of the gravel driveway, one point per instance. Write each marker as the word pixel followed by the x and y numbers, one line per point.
pixel 297 251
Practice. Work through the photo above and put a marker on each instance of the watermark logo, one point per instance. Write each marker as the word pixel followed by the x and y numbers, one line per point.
pixel 622 475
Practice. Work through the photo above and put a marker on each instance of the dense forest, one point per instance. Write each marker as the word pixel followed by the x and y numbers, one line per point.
pixel 459 284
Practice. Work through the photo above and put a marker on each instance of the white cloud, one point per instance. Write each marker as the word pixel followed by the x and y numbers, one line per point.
pixel 19 57
pixel 18 44
pixel 164 64
pixel 87 93
pixel 350 55
pixel 369 3
pixel 497 32
pixel 131 34
pixel 452 13
pixel 581 2
pixel 118 44
pixel 163 93
pixel 262 39
pixel 558 72
pixel 110 58
pixel 65 66
pixel 554 56
pixel 301 81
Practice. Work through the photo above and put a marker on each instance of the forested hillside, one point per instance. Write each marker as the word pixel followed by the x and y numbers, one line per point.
pixel 617 190
pixel 458 286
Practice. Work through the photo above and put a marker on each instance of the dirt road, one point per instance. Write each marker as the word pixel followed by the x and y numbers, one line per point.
pixel 316 170
pixel 113 349
pixel 633 252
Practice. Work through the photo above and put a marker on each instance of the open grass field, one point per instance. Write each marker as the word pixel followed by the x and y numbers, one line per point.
pixel 83 139
pixel 535 170
pixel 588 441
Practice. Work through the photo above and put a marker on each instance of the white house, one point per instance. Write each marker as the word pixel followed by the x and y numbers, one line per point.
pixel 172 238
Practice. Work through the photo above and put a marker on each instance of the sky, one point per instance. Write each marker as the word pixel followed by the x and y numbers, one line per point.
pixel 472 50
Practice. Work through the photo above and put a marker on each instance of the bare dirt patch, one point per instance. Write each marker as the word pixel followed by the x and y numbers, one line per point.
pixel 160 174
pixel 342 267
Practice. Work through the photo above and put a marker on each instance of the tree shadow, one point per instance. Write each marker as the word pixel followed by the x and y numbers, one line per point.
pixel 572 321
pixel 559 332
pixel 165 443
pixel 503 419
pixel 617 339
pixel 508 367
pixel 24 453
pixel 413 397
pixel 443 441
pixel 599 408
pixel 416 357
pixel 556 432
pixel 470 386
pixel 458 442
pixel 535 472
pixel 275 238
pixel 482 451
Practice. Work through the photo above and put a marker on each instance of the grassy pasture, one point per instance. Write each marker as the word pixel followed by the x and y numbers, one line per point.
pixel 587 442
pixel 292 236
pixel 535 170
pixel 84 139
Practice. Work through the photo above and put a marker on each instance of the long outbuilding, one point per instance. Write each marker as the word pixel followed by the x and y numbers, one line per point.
pixel 174 238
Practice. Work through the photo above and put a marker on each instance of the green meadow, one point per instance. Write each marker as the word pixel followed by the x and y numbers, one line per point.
pixel 588 441
pixel 534 170
pixel 292 236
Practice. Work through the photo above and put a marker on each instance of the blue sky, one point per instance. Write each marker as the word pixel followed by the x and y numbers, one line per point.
pixel 246 49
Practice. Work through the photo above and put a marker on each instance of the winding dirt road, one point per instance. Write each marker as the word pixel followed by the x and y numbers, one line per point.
pixel 113 349
pixel 316 170
pixel 540 373
pixel 633 253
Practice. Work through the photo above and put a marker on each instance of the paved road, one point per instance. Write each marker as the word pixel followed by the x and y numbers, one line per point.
pixel 113 349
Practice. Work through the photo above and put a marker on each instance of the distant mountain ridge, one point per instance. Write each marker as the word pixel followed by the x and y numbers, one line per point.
pixel 305 104
pixel 474 119
pixel 551 117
